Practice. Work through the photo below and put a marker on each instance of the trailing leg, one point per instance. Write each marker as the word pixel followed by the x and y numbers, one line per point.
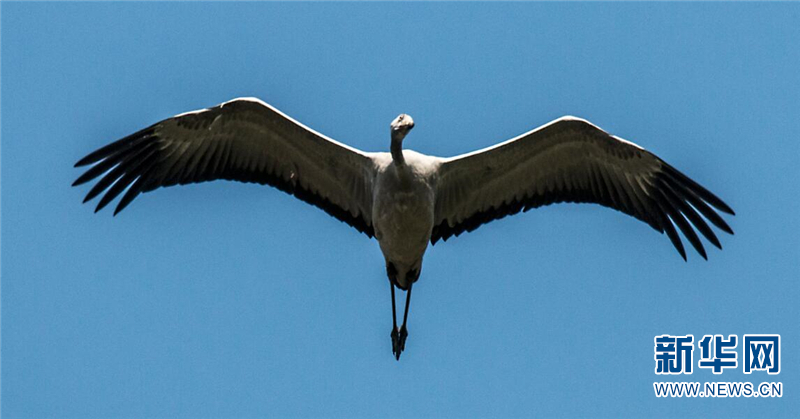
pixel 395 334
pixel 403 329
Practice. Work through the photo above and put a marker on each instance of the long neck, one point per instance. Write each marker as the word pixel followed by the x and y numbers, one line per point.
pixel 397 151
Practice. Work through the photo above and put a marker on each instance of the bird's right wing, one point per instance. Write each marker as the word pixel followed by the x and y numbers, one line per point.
pixel 571 160
pixel 244 140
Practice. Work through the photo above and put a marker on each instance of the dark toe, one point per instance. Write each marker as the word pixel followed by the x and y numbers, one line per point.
pixel 402 338
pixel 396 346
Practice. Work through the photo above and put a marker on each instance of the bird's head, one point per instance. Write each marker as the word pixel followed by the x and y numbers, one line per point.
pixel 401 126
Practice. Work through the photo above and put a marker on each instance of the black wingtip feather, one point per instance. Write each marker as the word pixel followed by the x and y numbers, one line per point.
pixel 116 146
pixel 103 166
pixel 709 213
pixel 678 195
pixel 673 207
pixel 133 192
pixel 103 202
pixel 695 196
pixel 666 224
pixel 704 193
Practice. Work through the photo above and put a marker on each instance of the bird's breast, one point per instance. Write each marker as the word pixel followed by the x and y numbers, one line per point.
pixel 403 217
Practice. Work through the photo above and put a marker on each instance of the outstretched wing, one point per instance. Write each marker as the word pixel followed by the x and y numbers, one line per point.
pixel 244 140
pixel 571 160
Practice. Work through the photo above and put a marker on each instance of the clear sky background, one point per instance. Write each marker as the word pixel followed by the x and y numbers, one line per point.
pixel 234 300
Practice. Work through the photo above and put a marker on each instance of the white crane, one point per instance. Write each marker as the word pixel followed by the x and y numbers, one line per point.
pixel 403 198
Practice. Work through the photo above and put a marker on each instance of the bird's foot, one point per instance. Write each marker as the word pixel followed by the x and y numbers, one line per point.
pixel 396 343
pixel 399 341
pixel 403 336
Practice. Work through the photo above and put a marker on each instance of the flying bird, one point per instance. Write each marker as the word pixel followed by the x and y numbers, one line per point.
pixel 403 198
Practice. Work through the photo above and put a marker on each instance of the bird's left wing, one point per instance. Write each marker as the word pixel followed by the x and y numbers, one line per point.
pixel 571 160
pixel 244 140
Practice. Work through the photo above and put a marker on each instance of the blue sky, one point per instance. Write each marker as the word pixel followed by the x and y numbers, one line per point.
pixel 234 300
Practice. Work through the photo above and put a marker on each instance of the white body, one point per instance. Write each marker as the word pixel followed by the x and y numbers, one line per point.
pixel 403 211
